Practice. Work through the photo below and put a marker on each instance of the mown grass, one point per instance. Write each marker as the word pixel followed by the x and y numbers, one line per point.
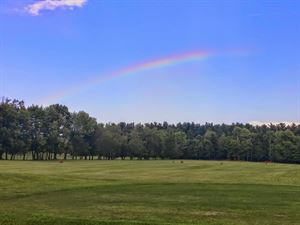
pixel 148 192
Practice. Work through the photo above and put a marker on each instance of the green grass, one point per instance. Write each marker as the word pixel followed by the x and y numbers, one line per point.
pixel 148 192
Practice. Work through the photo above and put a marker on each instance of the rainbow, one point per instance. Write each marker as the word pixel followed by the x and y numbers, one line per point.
pixel 130 70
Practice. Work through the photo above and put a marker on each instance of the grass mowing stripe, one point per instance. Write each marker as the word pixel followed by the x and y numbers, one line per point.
pixel 149 192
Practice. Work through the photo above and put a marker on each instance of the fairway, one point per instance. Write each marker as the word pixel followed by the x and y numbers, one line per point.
pixel 148 192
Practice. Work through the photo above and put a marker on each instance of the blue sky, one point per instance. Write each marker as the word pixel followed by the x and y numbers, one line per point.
pixel 254 77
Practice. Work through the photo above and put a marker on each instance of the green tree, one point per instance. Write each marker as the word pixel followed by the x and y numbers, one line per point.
pixel 83 128
pixel 109 141
pixel 136 145
pixel 174 144
pixel 243 138
pixel 285 147
pixel 58 120
pixel 37 131
pixel 153 142
pixel 210 144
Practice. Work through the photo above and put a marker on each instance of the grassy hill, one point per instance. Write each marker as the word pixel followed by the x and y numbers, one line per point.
pixel 148 192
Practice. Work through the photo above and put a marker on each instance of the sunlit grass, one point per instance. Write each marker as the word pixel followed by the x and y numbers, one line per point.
pixel 148 192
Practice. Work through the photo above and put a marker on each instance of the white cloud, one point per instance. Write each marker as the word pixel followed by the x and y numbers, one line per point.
pixel 259 123
pixel 35 8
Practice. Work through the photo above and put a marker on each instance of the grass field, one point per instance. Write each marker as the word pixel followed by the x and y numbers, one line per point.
pixel 148 192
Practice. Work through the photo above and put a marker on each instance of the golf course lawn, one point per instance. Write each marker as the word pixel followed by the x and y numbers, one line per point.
pixel 148 192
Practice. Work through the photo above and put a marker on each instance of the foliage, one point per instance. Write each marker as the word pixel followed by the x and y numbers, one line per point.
pixel 50 132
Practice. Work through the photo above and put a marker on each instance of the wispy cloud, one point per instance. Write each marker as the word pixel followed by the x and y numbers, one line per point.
pixel 259 123
pixel 35 8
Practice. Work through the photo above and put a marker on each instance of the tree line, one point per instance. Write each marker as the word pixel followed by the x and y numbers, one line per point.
pixel 52 132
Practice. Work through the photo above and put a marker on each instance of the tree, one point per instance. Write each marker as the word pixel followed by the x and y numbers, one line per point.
pixel 174 144
pixel 109 141
pixel 58 119
pixel 153 142
pixel 14 128
pixel 82 130
pixel 53 131
pixel 22 138
pixel 285 147
pixel 243 139
pixel 37 131
pixel 210 144
pixel 136 145
pixel 8 129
